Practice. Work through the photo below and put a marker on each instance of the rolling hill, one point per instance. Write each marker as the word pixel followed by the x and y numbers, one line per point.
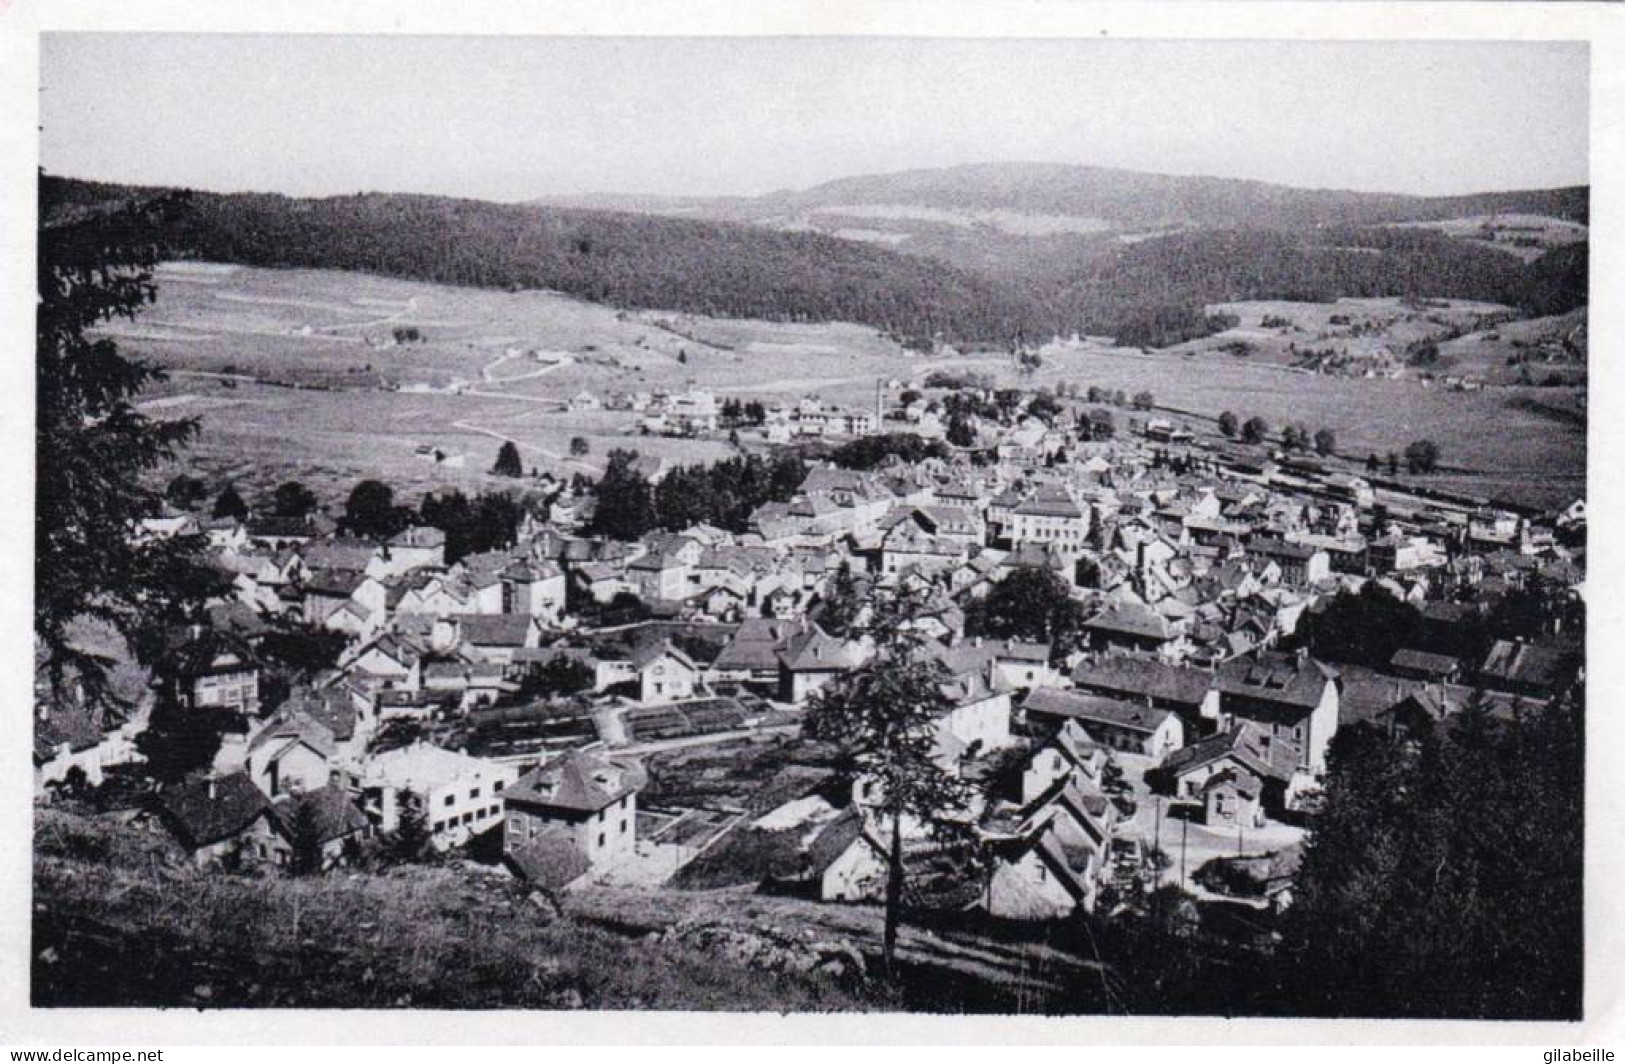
pixel 974 256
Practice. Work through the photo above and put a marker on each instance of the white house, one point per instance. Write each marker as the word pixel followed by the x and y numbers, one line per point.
pixel 460 796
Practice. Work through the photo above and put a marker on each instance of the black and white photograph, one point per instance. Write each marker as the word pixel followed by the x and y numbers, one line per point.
pixel 1055 526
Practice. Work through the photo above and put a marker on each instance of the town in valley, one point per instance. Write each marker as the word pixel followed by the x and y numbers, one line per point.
pixel 475 640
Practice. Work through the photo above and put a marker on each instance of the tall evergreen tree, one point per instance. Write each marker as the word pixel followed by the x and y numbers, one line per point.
pixel 92 446
pixel 843 602
pixel 411 840
pixel 306 858
pixel 230 504
pixel 885 717
pixel 626 507
pixel 508 463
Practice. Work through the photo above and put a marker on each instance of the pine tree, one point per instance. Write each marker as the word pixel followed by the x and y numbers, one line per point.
pixel 508 463
pixel 626 507
pixel 230 504
pixel 842 602
pixel 92 446
pixel 306 858
pixel 411 840
pixel 884 716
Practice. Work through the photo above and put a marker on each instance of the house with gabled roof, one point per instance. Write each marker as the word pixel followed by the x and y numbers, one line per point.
pixel 1132 727
pixel 330 814
pixel 1128 627
pixel 213 817
pixel 751 654
pixel 326 591
pixel 1069 753
pixel 211 669
pixel 665 673
pixel 979 720
pixel 1276 763
pixel 415 548
pixel 1527 669
pixel 387 658
pixel 1038 876
pixel 1422 665
pixel 1232 797
pixel 583 795
pixel 659 575
pixel 1050 517
pixel 495 636
pixel 1292 697
pixel 345 554
pixel 848 859
pixel 1183 689
pixel 291 752
pixel 811 658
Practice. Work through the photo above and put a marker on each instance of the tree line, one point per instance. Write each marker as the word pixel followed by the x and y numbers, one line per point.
pixel 1150 293
pixel 724 494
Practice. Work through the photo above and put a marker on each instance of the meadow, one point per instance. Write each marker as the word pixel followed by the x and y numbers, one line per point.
pixel 348 401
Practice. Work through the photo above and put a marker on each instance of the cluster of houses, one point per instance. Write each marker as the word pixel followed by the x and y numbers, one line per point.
pixel 1192 565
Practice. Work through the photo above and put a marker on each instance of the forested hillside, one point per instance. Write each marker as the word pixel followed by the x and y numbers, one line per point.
pixel 1125 199
pixel 1129 290
pixel 1150 292
pixel 623 260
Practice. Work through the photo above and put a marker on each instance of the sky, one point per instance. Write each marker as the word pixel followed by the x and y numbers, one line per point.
pixel 515 118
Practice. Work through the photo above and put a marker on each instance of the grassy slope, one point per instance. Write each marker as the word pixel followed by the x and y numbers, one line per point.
pixel 120 920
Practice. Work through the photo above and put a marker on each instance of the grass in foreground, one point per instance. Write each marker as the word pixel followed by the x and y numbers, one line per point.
pixel 121 919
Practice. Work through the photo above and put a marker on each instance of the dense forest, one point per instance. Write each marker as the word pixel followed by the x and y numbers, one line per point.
pixel 1168 279
pixel 622 260
pixel 1148 293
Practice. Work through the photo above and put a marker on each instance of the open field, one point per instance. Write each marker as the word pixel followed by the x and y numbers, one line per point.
pixel 1510 443
pixel 495 365
pixel 1527 236
pixel 1548 348
pixel 1355 335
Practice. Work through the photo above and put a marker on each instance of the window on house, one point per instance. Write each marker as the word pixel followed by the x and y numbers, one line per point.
pixel 473 794
pixel 449 799
pixel 600 838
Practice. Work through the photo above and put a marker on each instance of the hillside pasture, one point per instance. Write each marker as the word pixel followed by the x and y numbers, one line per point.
pixel 493 367
pixel 1363 334
pixel 1533 350
pixel 1492 442
pixel 1528 236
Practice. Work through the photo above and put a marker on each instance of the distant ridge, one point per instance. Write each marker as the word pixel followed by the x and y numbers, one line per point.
pixel 1128 199
pixel 925 256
